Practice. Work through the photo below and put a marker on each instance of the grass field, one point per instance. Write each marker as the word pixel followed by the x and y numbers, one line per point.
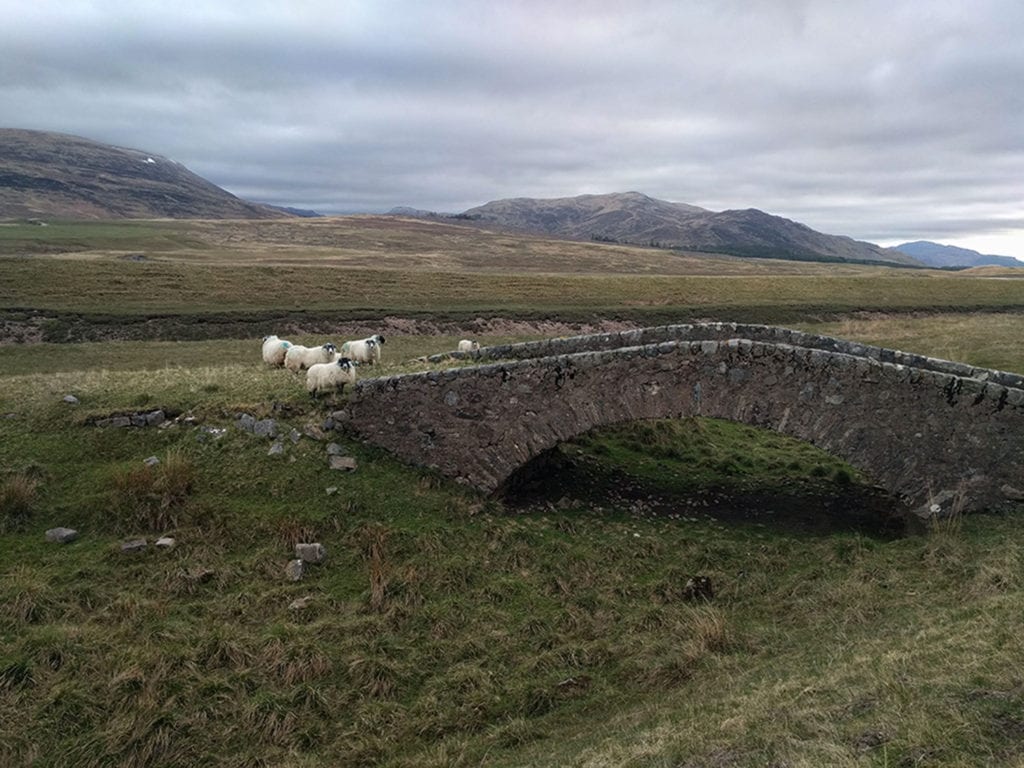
pixel 552 628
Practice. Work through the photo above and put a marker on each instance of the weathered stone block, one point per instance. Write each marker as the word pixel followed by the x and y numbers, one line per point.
pixel 61 535
pixel 346 463
pixel 313 552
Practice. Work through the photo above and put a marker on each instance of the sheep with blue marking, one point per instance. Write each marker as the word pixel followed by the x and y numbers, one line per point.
pixel 274 350
pixel 325 377
pixel 364 350
pixel 298 357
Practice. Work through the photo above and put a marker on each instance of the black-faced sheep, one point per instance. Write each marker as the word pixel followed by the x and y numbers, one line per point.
pixel 274 350
pixel 324 377
pixel 364 350
pixel 298 357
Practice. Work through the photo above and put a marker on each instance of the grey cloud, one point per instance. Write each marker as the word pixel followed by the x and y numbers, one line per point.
pixel 868 119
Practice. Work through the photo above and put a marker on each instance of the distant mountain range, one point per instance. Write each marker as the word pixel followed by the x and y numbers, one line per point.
pixel 937 255
pixel 54 175
pixel 635 218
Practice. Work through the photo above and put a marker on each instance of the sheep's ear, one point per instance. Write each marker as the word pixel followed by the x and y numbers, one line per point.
pixel 381 338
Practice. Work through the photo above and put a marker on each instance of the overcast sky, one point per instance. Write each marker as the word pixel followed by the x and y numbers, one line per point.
pixel 886 121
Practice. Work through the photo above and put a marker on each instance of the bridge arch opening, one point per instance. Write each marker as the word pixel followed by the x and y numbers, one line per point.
pixel 707 469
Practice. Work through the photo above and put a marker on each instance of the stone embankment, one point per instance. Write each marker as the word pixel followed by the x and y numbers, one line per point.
pixel 922 428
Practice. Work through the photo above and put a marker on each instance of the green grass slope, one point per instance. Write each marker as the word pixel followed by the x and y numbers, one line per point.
pixel 444 629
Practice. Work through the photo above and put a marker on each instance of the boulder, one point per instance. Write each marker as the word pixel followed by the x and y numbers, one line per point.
pixel 165 542
pixel 134 545
pixel 310 552
pixel 942 505
pixel 155 418
pixel 61 535
pixel 344 463
pixel 1011 493
pixel 265 428
pixel 245 422
pixel 152 461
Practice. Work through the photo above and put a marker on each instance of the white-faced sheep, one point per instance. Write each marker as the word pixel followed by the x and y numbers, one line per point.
pixel 468 346
pixel 323 377
pixel 298 357
pixel 274 350
pixel 364 350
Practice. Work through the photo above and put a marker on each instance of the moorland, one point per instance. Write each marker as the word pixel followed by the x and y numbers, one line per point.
pixel 549 628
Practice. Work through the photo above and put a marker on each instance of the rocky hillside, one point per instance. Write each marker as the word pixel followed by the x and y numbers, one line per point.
pixel 53 175
pixel 632 217
pixel 937 255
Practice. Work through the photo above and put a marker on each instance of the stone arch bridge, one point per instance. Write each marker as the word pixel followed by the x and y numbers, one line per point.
pixel 924 429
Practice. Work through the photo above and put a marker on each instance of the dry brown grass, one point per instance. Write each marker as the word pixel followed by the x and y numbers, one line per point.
pixel 17 498
pixel 153 498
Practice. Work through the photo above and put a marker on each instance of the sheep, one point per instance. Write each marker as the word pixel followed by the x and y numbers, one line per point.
pixel 298 357
pixel 322 377
pixel 364 350
pixel 274 350
pixel 468 346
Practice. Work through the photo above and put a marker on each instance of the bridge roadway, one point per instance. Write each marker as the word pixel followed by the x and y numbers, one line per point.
pixel 927 430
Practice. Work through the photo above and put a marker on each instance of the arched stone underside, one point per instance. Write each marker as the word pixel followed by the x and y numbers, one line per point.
pixel 915 429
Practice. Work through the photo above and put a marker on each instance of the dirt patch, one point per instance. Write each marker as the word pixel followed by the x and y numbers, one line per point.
pixel 27 327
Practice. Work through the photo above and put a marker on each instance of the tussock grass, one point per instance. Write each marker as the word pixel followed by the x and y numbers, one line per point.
pixel 153 498
pixel 445 629
pixel 17 498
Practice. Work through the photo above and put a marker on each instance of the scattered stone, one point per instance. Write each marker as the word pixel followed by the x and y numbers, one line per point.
pixel 246 422
pixel 152 461
pixel 11 415
pixel 61 535
pixel 276 449
pixel 944 504
pixel 295 435
pixel 332 490
pixel 215 432
pixel 300 603
pixel 328 424
pixel 138 420
pixel 1011 493
pixel 313 432
pixel 155 418
pixel 698 588
pixel 120 422
pixel 265 428
pixel 340 417
pixel 295 570
pixel 70 399
pixel 333 449
pixel 346 463
pixel 310 553
pixel 165 542
pixel 134 545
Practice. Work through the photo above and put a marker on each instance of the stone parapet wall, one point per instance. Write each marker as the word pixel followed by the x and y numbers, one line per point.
pixel 718 331
pixel 916 430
